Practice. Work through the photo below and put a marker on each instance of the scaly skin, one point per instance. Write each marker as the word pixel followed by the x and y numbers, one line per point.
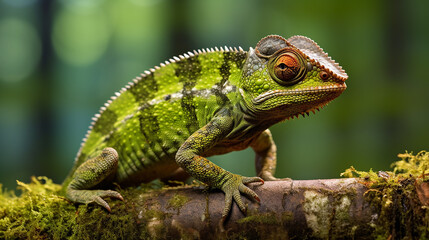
pixel 204 103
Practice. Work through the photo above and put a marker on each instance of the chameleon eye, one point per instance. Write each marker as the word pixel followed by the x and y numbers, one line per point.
pixel 324 75
pixel 287 68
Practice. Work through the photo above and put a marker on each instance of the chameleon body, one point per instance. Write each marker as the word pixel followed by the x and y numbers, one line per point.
pixel 166 122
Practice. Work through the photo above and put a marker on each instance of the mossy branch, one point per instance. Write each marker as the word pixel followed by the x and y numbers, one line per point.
pixel 386 205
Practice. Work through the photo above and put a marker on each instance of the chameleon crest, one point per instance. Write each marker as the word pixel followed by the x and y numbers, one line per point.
pixel 166 122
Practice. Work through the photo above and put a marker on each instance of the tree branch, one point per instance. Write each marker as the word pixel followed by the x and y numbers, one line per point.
pixel 288 209
pixel 316 209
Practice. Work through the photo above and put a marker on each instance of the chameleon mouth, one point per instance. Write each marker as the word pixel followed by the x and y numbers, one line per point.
pixel 339 87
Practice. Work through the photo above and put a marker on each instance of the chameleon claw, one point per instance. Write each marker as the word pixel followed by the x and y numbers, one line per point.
pixel 257 199
pixel 116 195
pixel 120 197
pixel 102 203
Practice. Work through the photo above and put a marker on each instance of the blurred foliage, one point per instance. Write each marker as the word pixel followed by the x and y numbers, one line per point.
pixel 61 60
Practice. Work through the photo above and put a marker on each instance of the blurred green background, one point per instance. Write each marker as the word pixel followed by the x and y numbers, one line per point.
pixel 61 60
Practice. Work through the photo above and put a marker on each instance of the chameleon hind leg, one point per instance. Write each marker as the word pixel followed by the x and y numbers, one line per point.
pixel 91 173
pixel 266 156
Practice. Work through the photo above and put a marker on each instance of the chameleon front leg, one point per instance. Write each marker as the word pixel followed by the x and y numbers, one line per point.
pixel 91 173
pixel 189 158
pixel 266 156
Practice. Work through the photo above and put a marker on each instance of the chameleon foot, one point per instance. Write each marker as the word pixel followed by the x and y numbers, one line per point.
pixel 232 189
pixel 267 176
pixel 89 174
pixel 94 196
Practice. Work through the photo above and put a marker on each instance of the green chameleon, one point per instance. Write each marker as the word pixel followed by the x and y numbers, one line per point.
pixel 166 122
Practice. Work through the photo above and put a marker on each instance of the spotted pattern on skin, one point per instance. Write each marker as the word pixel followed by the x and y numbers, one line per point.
pixel 105 122
pixel 188 72
pixel 145 90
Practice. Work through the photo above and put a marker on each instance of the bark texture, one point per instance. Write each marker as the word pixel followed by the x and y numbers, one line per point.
pixel 322 209
pixel 311 209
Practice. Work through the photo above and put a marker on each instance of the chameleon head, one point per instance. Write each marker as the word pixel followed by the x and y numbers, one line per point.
pixel 284 78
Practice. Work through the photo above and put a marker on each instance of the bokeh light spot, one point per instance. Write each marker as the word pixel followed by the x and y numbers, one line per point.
pixel 80 38
pixel 20 49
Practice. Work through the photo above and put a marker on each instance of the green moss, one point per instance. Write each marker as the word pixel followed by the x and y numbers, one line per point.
pixel 177 201
pixel 93 222
pixel 410 166
pixel 287 216
pixel 393 195
pixel 266 218
pixel 37 214
pixel 342 208
pixel 40 213
pixel 416 165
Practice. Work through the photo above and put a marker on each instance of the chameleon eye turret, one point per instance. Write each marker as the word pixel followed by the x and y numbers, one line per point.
pixel 288 68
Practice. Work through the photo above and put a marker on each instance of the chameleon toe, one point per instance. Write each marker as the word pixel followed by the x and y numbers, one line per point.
pixel 247 180
pixel 112 194
pixel 228 205
pixel 102 203
pixel 237 198
pixel 249 192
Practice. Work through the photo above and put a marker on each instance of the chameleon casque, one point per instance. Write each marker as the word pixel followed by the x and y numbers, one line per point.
pixel 168 120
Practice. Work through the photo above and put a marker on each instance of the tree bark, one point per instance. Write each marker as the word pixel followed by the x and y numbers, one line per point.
pixel 322 209
pixel 304 209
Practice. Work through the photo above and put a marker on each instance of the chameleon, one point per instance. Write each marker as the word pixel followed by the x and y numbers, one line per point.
pixel 167 121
